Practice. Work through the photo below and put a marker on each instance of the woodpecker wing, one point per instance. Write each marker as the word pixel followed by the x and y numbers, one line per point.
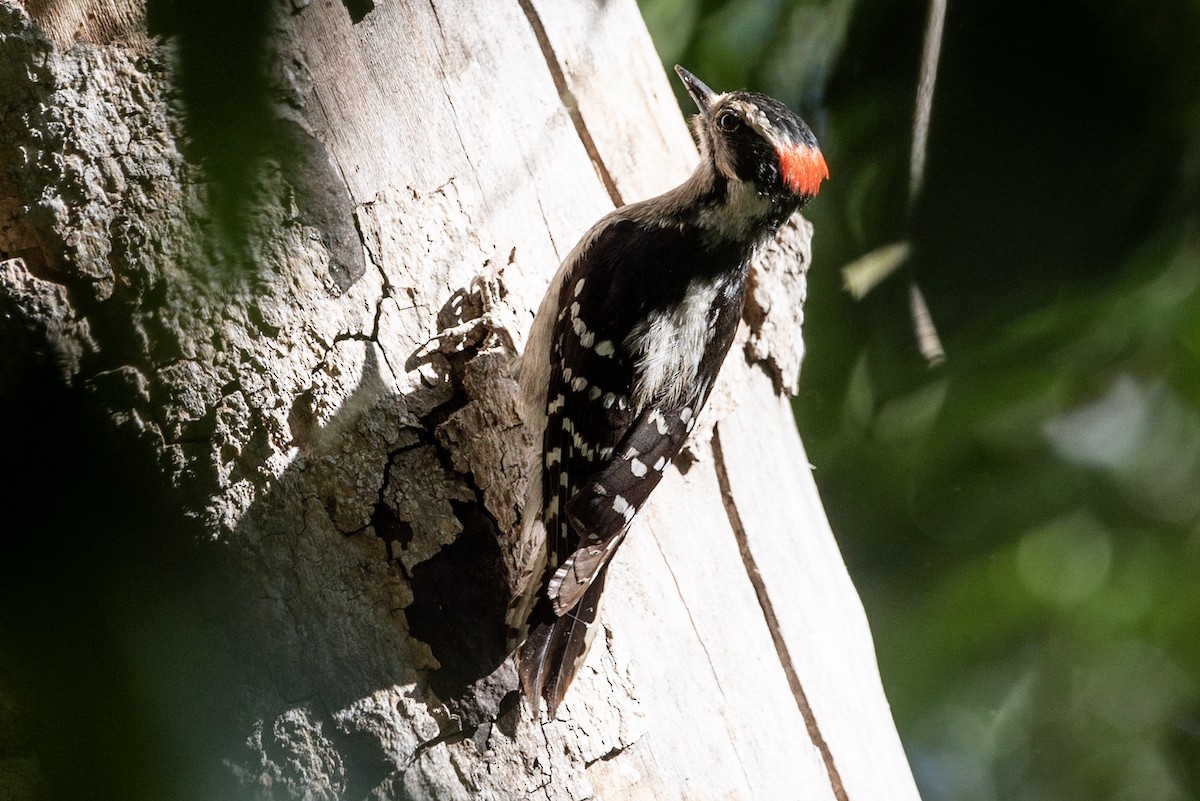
pixel 596 520
pixel 606 442
pixel 605 446
pixel 586 413
pixel 605 505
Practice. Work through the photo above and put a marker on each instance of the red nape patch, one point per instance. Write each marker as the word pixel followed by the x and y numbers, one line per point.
pixel 803 168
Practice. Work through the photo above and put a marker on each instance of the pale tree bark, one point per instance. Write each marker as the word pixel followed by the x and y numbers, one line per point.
pixel 307 340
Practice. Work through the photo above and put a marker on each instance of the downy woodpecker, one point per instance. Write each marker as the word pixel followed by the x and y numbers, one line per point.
pixel 624 351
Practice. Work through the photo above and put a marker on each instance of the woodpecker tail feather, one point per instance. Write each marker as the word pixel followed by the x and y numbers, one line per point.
pixel 556 646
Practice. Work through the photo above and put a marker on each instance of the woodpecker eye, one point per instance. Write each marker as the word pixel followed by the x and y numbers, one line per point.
pixel 728 121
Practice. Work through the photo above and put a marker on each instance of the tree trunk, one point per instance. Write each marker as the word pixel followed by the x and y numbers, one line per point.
pixel 289 275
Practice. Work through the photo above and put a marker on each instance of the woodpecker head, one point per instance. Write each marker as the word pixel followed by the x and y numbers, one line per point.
pixel 755 139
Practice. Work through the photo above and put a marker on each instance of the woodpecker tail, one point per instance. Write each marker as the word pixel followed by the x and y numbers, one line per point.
pixel 556 646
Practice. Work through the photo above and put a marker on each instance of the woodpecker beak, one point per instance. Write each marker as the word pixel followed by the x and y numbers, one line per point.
pixel 696 88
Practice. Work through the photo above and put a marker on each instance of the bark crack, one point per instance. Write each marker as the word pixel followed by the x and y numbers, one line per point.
pixel 768 610
pixel 570 102
pixel 458 124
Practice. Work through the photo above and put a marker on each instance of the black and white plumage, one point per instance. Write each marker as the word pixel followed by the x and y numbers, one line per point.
pixel 624 351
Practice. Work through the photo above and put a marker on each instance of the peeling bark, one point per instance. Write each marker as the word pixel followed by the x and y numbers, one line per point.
pixel 303 350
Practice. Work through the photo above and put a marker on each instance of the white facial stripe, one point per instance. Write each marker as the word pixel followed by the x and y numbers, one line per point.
pixel 754 117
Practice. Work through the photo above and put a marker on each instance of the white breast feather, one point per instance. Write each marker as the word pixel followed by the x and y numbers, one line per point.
pixel 669 346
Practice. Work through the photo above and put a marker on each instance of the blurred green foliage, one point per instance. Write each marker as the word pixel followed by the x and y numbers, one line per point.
pixel 1023 522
